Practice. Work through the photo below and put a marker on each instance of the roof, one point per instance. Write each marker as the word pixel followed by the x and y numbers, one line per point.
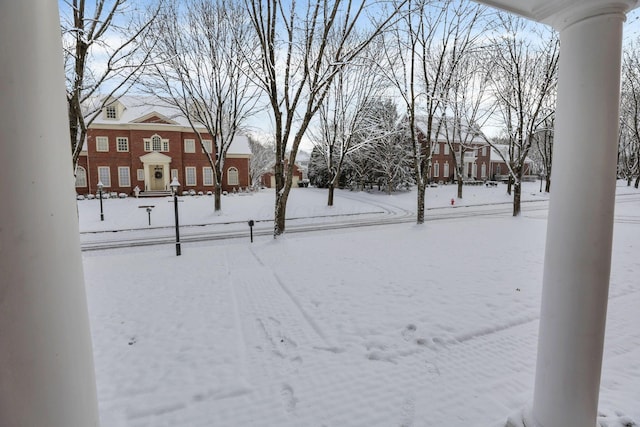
pixel 467 136
pixel 139 110
pixel 504 149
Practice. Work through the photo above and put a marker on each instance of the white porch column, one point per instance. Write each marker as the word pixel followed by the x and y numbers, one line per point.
pixel 579 233
pixel 46 364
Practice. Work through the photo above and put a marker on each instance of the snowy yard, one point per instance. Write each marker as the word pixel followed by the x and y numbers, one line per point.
pixel 393 325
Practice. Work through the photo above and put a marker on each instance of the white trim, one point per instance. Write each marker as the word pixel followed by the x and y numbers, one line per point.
pixel 104 178
pixel 233 176
pixel 81 177
pixel 207 172
pixel 190 170
pixel 122 139
pixel 189 145
pixel 100 140
pixel 127 181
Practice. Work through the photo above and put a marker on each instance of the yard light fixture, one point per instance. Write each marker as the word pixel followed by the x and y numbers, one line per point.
pixel 174 190
pixel 100 185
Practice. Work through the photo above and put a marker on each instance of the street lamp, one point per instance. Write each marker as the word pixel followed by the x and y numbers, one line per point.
pixel 100 185
pixel 174 190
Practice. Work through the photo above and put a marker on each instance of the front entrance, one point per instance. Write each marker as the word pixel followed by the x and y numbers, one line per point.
pixel 157 178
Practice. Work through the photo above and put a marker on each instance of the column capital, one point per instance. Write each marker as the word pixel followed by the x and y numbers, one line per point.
pixel 561 15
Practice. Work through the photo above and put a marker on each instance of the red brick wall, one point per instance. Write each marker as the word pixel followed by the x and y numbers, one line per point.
pixel 179 159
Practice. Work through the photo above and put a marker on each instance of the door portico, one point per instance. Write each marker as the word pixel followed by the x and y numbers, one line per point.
pixel 156 171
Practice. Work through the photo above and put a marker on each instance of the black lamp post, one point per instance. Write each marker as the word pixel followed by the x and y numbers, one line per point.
pixel 100 185
pixel 174 190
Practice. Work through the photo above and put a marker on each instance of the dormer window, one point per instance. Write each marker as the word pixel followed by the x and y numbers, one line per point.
pixel 111 112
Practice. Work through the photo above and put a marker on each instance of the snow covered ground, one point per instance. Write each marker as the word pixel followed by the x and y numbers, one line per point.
pixel 392 325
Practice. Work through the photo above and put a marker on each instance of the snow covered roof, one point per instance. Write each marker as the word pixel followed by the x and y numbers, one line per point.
pixel 504 149
pixel 154 110
pixel 464 133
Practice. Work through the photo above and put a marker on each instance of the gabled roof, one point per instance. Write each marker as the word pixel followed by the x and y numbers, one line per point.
pixel 464 133
pixel 156 118
pixel 153 110
pixel 504 149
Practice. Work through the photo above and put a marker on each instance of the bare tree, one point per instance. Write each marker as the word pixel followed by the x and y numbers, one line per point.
pixel 261 160
pixel 201 72
pixel 629 139
pixel 341 117
pixel 524 79
pixel 303 47
pixel 423 53
pixel 468 109
pixel 102 56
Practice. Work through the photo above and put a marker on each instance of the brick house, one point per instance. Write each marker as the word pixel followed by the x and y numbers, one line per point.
pixel 499 171
pixel 268 180
pixel 475 154
pixel 141 143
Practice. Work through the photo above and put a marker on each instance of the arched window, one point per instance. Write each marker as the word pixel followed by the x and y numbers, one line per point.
pixel 156 143
pixel 232 176
pixel 446 170
pixel 436 170
pixel 81 177
pixel 483 170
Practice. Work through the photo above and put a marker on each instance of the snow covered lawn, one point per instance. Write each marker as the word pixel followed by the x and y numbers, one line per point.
pixel 393 325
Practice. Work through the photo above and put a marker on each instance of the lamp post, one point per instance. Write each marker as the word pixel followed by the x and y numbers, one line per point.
pixel 174 190
pixel 100 185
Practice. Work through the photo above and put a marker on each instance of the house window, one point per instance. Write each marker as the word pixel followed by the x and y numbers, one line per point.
pixel 81 177
pixel 102 144
pixel 232 176
pixel 436 148
pixel 140 174
pixel 111 112
pixel 436 169
pixel 446 170
pixel 104 175
pixel 124 177
pixel 189 145
pixel 190 176
pixel 498 171
pixel 155 143
pixel 446 149
pixel 208 145
pixel 174 173
pixel 122 144
pixel 207 176
pixel 483 170
pixel 484 151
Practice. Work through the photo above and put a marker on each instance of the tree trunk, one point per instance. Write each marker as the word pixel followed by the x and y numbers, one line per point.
pixel 547 185
pixel 217 198
pixel 509 185
pixel 637 182
pixel 421 196
pixel 330 196
pixel 517 192
pixel 629 182
pixel 280 211
pixel 460 183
